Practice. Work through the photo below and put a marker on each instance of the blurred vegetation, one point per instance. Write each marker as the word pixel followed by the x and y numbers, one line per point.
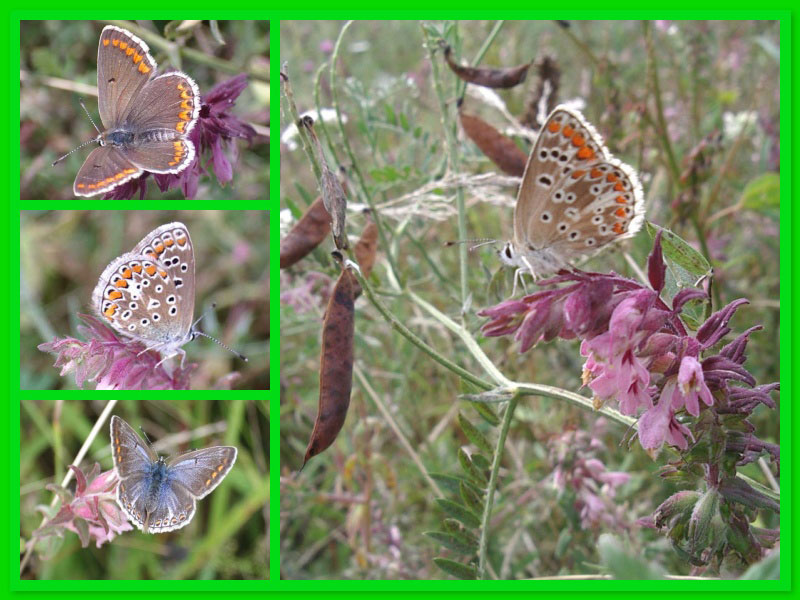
pixel 360 509
pixel 228 537
pixel 63 253
pixel 58 66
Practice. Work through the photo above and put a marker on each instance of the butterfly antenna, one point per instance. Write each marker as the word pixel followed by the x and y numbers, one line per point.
pixel 90 116
pixel 213 339
pixel 55 162
pixel 144 435
pixel 92 141
pixel 478 243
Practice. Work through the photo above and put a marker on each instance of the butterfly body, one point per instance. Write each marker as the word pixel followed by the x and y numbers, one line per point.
pixel 575 198
pixel 157 494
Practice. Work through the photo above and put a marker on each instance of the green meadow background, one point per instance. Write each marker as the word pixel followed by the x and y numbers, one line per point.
pixel 363 508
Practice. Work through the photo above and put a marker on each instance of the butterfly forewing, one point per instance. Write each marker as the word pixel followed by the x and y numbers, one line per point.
pixel 124 66
pixel 131 455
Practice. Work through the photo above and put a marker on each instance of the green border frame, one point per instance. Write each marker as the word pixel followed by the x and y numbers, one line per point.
pixel 319 10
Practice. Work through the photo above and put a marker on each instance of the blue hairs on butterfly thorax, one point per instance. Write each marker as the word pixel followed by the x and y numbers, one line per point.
pixel 118 137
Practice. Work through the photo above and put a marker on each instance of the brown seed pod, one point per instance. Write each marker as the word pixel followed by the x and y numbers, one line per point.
pixel 488 76
pixel 306 235
pixel 498 148
pixel 336 204
pixel 366 249
pixel 336 365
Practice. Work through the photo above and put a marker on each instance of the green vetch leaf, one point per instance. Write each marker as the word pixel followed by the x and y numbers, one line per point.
pixel 453 542
pixel 474 435
pixel 481 462
pixel 686 268
pixel 473 472
pixel 459 512
pixel 451 483
pixel 471 499
pixel 456 569
pixel 486 413
pixel 680 253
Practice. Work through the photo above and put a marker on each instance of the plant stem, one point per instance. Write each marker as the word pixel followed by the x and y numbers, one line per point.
pixel 453 165
pixel 416 340
pixel 483 543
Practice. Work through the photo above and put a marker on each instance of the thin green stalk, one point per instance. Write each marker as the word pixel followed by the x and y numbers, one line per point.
pixel 395 427
pixel 364 191
pixel 318 103
pixel 417 341
pixel 466 338
pixel 286 86
pixel 454 165
pixel 338 109
pixel 662 123
pixel 483 542
pixel 582 46
pixel 505 385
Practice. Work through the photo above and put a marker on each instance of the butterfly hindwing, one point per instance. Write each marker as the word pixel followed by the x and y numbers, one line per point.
pixel 200 471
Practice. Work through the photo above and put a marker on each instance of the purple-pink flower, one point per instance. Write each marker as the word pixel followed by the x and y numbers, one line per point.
pixel 577 469
pixel 638 352
pixel 91 512
pixel 113 362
